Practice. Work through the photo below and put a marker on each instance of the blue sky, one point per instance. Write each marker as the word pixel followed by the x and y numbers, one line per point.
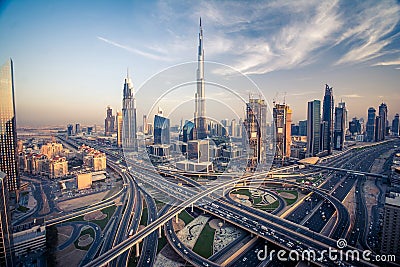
pixel 71 56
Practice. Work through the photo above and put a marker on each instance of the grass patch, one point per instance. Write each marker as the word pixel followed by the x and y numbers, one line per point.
pixel 101 223
pixel 204 244
pixel 143 219
pixel 22 208
pixel 257 200
pixel 288 200
pixel 184 216
pixel 245 192
pixel 88 231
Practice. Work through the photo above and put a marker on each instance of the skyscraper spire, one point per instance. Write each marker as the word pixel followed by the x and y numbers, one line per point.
pixel 200 105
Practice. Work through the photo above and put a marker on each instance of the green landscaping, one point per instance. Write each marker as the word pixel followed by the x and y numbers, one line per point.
pixel 245 192
pixel 22 208
pixel 88 231
pixel 184 216
pixel 109 211
pixel 272 206
pixel 204 244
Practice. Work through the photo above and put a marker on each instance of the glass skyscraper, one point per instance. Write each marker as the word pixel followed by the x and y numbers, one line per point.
pixel 8 134
pixel 161 130
pixel 313 127
pixel 6 257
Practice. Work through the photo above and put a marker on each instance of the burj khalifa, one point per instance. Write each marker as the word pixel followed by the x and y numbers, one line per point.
pixel 200 101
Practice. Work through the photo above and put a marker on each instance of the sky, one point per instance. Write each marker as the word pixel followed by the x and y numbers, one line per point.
pixel 71 57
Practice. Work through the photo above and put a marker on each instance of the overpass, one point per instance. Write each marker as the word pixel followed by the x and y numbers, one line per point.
pixel 349 171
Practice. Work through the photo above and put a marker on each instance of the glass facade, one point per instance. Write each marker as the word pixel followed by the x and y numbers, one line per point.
pixel 161 130
pixel 8 134
pixel 6 258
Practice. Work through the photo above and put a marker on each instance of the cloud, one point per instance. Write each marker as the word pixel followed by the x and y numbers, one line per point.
pixel 134 50
pixel 352 96
pixel 368 31
pixel 387 63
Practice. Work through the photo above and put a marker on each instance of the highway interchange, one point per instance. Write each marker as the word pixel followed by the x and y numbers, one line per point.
pixel 303 228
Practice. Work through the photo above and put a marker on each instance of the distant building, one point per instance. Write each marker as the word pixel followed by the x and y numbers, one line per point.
pixel 343 106
pixel 145 129
pixel 313 127
pixel 383 113
pixel 233 129
pixel 379 133
pixel 187 131
pixel 303 128
pixel 295 129
pixel 327 116
pixel 395 125
pixel 84 180
pixel 78 129
pixel 119 122
pixel 52 149
pixel 282 115
pixel 129 133
pixel 391 226
pixel 6 241
pixel 161 130
pixel 70 130
pixel 371 124
pixel 256 132
pixel 58 167
pixel 8 133
pixel 109 122
pixel 160 152
pixel 29 238
pixel 339 130
pixel 355 127
pixel 198 150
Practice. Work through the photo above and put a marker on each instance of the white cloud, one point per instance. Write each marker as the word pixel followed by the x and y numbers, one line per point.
pixel 387 63
pixel 134 50
pixel 352 96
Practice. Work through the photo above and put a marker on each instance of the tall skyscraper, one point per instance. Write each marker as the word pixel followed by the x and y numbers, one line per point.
pixel 383 113
pixel 339 130
pixel 355 126
pixel 283 138
pixel 395 125
pixel 371 124
pixel 119 122
pixel 313 127
pixel 391 225
pixel 200 120
pixel 346 124
pixel 145 126
pixel 6 256
pixel 161 130
pixel 70 129
pixel 233 128
pixel 109 122
pixel 78 129
pixel 8 133
pixel 327 115
pixel 129 134
pixel 379 134
pixel 303 128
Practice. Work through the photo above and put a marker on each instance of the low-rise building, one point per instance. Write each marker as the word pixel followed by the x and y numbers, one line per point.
pixel 58 167
pixel 84 180
pixel 29 237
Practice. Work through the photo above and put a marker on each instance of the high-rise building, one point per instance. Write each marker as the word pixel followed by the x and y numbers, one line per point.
pixel 395 125
pixel 8 133
pixel 145 128
pixel 342 105
pixel 109 122
pixel 233 128
pixel 391 225
pixel 161 130
pixel 303 128
pixel 70 129
pixel 313 127
pixel 383 113
pixel 355 126
pixel 379 134
pixel 200 120
pixel 371 124
pixel 6 255
pixel 339 130
pixel 282 119
pixel 78 129
pixel 129 134
pixel 256 131
pixel 327 115
pixel 295 129
pixel 119 121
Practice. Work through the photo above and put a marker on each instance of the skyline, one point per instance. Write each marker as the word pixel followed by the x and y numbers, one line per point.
pixel 293 48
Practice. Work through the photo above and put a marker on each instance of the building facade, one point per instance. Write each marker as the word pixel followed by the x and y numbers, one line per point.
pixel 313 128
pixel 119 122
pixel 371 124
pixel 339 130
pixel 8 134
pixel 391 226
pixel 6 240
pixel 129 133
pixel 161 130
pixel 109 128
pixel 395 125
pixel 383 113
pixel 327 116
pixel 282 115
